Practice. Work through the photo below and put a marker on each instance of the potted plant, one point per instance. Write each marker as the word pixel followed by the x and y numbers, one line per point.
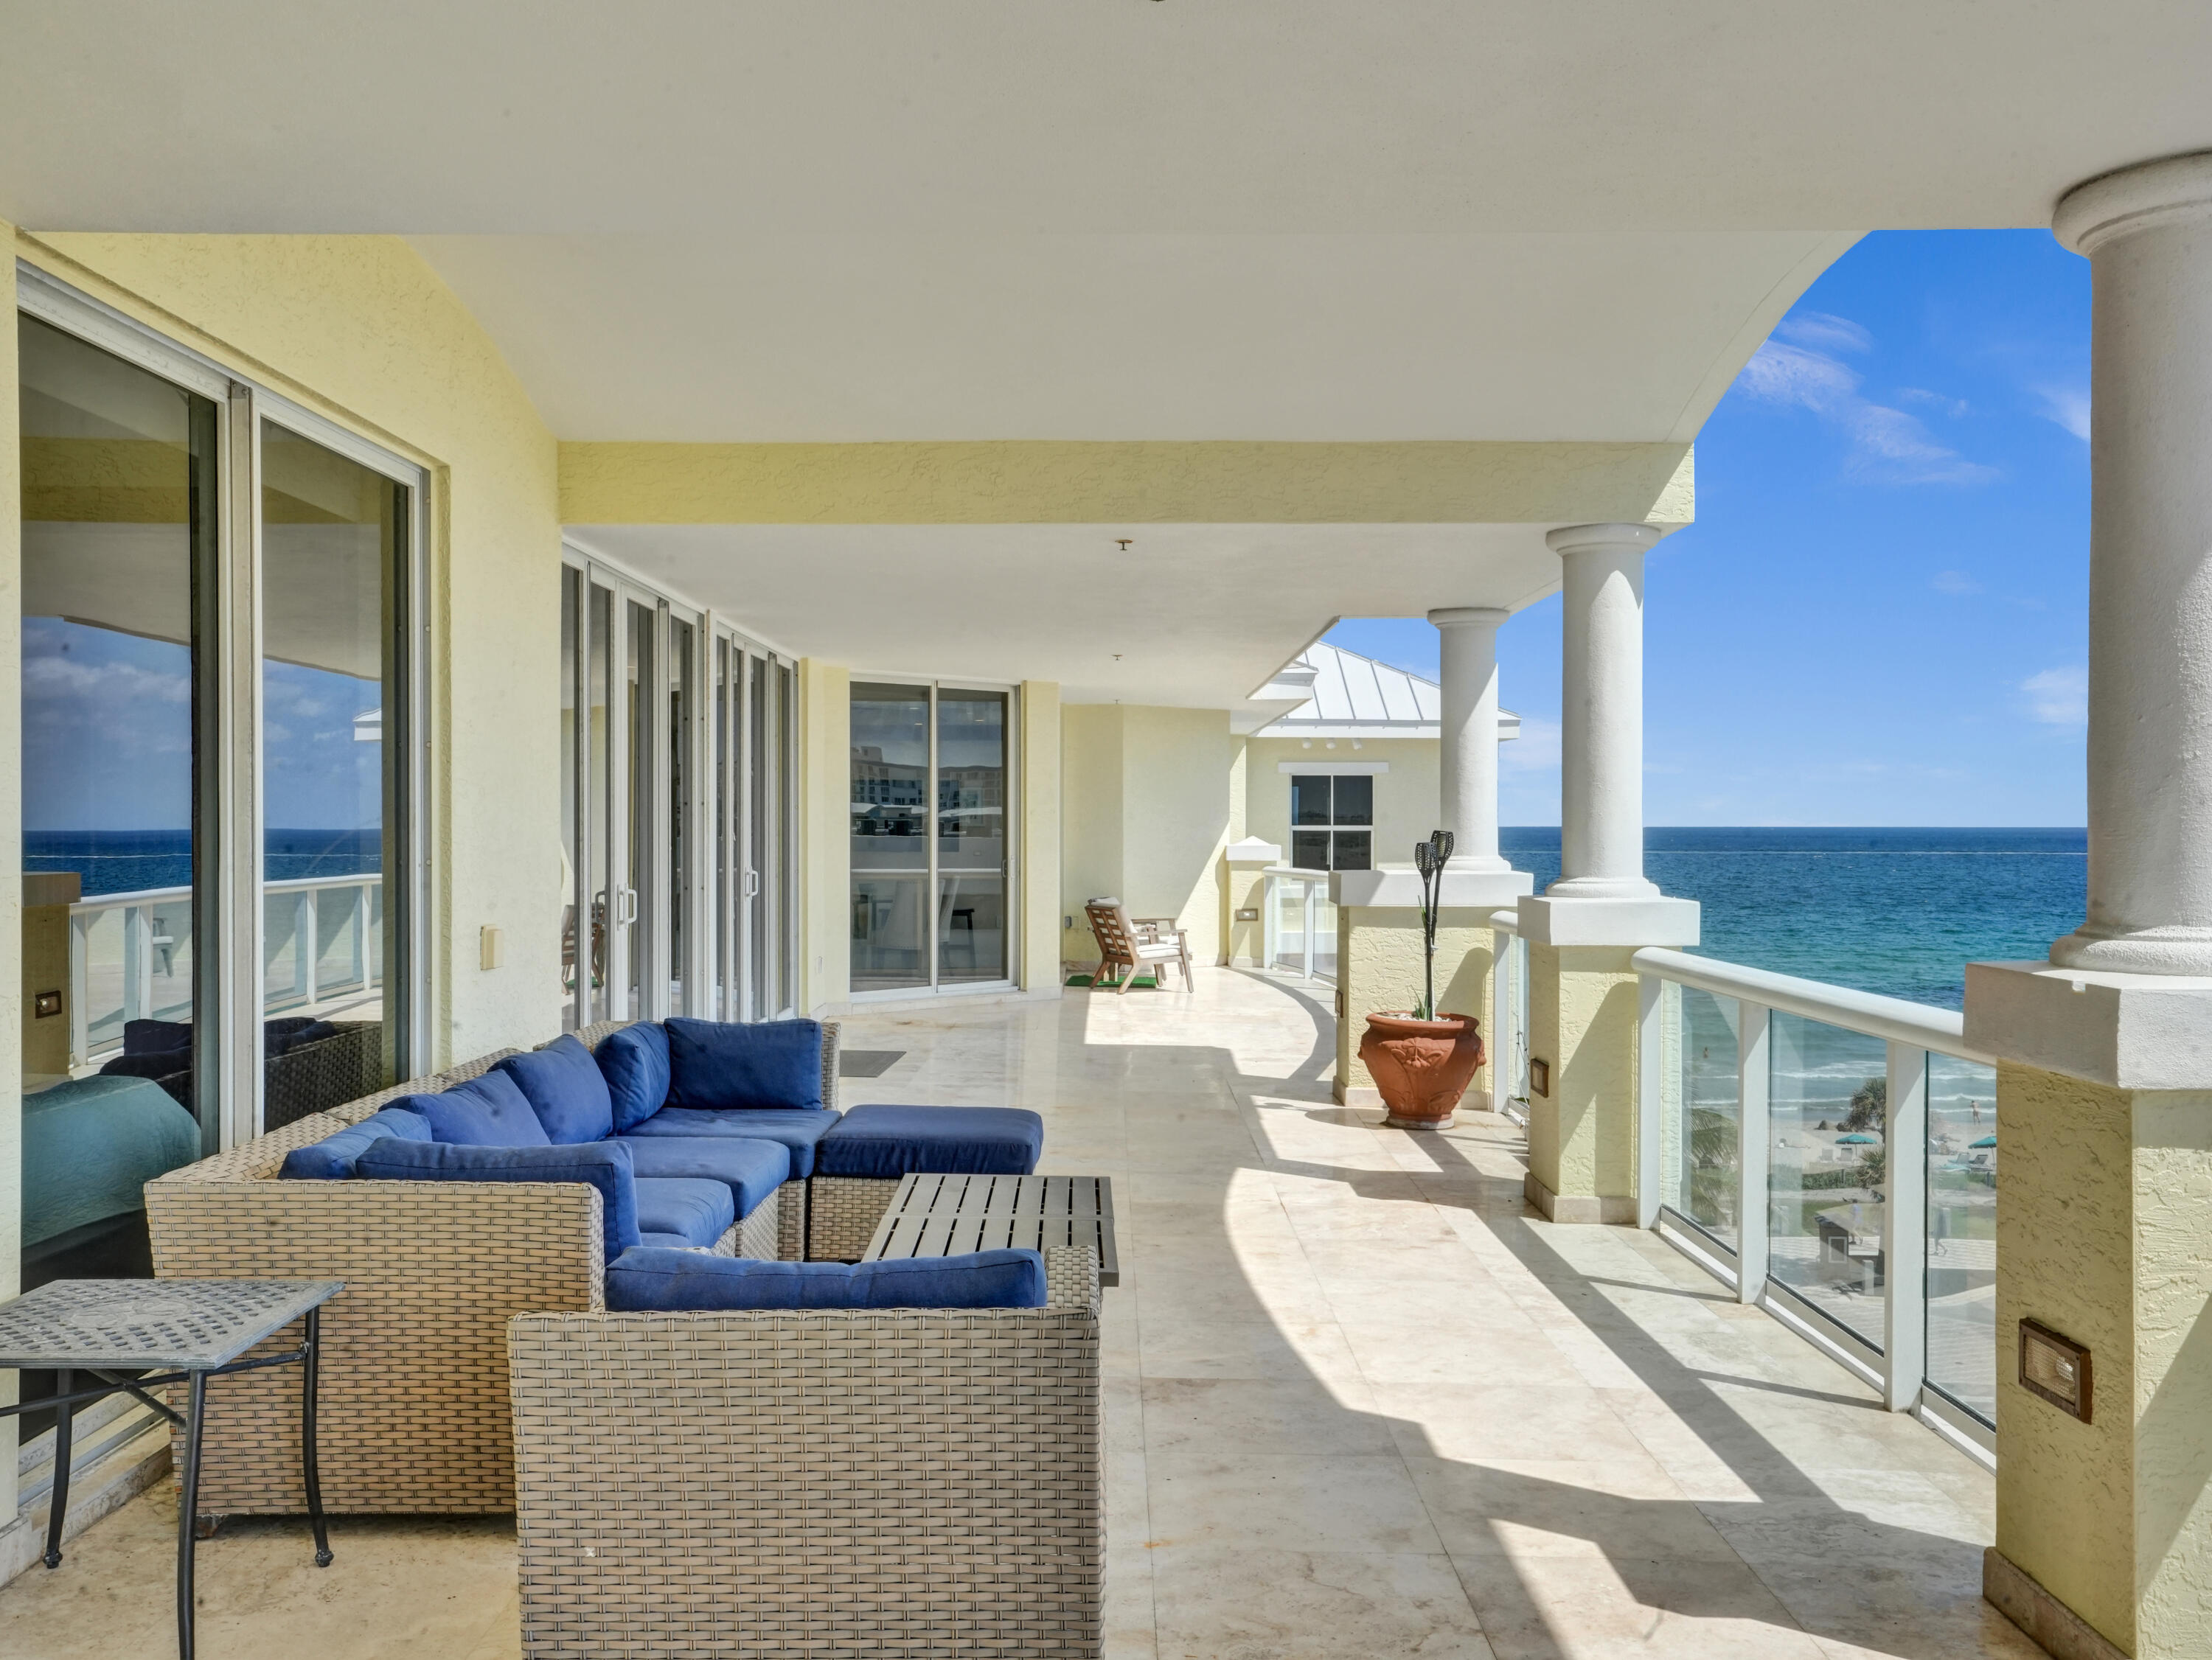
pixel 1420 1060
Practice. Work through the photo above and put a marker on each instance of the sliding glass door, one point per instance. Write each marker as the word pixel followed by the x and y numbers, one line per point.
pixel 930 843
pixel 334 639
pixel 675 884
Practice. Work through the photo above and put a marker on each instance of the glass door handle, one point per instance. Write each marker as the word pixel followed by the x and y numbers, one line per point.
pixel 628 913
pixel 752 884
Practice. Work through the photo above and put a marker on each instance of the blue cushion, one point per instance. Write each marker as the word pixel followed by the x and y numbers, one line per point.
pixel 941 1141
pixel 799 1132
pixel 330 1160
pixel 635 1062
pixel 752 1170
pixel 719 1064
pixel 566 1088
pixel 604 1164
pixel 486 1111
pixel 700 1211
pixel 677 1280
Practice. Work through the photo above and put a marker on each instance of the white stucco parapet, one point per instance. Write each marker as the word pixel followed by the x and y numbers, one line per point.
pixel 2128 1031
pixel 1253 850
pixel 1659 920
pixel 1399 890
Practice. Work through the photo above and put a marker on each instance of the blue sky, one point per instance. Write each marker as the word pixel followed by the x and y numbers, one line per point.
pixel 1880 617
pixel 107 737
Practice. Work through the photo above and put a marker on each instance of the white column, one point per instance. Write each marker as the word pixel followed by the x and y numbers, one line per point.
pixel 2148 234
pixel 1468 764
pixel 1601 737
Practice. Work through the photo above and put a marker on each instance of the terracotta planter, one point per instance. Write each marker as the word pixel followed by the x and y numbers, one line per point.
pixel 1421 1067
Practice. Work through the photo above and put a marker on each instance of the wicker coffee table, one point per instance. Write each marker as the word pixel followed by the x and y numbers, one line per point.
pixel 951 1215
pixel 184 1331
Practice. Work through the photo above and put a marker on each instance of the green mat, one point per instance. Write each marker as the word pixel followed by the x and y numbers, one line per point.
pixel 1147 981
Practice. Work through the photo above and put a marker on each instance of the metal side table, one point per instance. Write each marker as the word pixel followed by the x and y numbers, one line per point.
pixel 185 1331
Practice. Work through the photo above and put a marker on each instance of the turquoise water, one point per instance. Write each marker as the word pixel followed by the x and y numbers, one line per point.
pixel 1895 911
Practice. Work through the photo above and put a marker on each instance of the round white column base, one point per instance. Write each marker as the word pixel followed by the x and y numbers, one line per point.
pixel 2174 950
pixel 1603 887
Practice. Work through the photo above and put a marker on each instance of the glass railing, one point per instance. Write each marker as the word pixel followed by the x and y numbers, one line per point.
pixel 1298 922
pixel 1831 1154
pixel 130 955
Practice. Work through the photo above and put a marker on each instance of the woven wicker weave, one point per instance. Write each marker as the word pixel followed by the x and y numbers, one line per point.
pixel 842 1213
pixel 413 1411
pixel 821 1482
pixel 414 1399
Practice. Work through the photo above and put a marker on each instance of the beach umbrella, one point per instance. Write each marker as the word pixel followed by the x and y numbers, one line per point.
pixel 1863 1141
pixel 1986 1141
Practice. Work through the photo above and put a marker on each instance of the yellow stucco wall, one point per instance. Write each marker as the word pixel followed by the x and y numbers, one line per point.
pixel 1041 835
pixel 1091 817
pixel 1146 794
pixel 1378 956
pixel 362 331
pixel 1042 482
pixel 1582 1019
pixel 1404 796
pixel 825 833
pixel 2100 1236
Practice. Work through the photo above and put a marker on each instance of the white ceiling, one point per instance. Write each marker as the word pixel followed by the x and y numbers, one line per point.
pixel 1209 116
pixel 845 220
pixel 1200 614
pixel 839 339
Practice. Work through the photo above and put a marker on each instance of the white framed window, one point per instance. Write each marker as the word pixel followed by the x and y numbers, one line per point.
pixel 1333 821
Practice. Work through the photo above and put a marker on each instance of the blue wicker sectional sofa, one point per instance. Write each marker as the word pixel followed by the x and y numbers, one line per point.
pixel 510 1185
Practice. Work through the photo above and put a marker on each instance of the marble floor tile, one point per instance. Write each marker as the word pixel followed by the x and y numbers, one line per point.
pixel 1229 1604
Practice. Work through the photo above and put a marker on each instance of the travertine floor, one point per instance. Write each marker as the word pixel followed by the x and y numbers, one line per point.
pixel 1359 1404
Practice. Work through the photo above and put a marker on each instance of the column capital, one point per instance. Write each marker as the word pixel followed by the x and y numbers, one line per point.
pixel 2144 197
pixel 1465 616
pixel 1596 538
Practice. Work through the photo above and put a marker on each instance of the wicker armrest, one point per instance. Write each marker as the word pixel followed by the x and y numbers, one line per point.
pixel 1070 1278
pixel 413 1410
pixel 773 1481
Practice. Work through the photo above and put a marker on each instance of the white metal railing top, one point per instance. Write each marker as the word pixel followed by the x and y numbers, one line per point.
pixel 1894 1019
pixel 1506 922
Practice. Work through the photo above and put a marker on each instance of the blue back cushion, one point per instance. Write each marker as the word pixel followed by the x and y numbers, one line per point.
pixel 651 1278
pixel 486 1111
pixel 604 1164
pixel 717 1064
pixel 635 1062
pixel 566 1088
pixel 332 1159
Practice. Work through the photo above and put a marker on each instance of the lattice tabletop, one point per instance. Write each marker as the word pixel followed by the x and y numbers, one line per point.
pixel 951 1215
pixel 144 1326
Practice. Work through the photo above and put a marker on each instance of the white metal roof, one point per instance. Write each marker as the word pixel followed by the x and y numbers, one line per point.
pixel 1353 696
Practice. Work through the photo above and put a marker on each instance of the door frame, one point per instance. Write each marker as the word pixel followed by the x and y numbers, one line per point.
pixel 935 987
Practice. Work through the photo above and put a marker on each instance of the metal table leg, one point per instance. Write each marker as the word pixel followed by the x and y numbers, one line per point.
pixel 57 1509
pixel 188 1498
pixel 309 1361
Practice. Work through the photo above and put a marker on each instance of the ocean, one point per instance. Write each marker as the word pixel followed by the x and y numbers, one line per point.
pixel 1900 911
pixel 132 861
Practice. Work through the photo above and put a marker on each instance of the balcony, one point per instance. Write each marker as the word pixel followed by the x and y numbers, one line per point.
pixel 1360 1402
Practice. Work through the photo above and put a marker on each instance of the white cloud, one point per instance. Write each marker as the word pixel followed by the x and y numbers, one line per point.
pixel 1953 582
pixel 1887 445
pixel 2068 406
pixel 1824 330
pixel 1953 406
pixel 2058 697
